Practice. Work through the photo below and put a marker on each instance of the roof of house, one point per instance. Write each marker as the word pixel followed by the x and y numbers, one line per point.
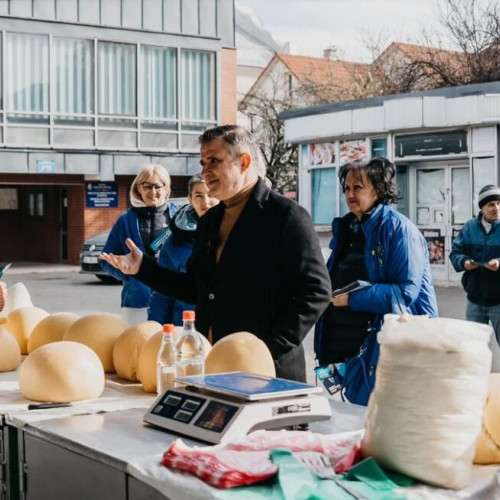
pixel 321 72
pixel 322 69
pixel 424 54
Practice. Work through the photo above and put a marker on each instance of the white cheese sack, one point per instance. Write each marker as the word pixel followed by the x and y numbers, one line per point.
pixel 425 412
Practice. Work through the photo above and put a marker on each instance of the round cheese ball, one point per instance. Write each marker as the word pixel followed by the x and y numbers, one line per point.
pixel 61 372
pixel 10 353
pixel 240 352
pixel 99 332
pixel 21 323
pixel 50 329
pixel 146 368
pixel 127 347
pixel 488 442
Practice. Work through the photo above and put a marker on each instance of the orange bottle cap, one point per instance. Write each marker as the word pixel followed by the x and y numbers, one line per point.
pixel 168 328
pixel 188 315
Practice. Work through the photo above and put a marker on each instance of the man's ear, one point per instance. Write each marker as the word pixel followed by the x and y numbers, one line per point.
pixel 246 161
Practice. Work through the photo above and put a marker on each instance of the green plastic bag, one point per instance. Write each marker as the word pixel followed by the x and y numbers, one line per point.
pixel 294 481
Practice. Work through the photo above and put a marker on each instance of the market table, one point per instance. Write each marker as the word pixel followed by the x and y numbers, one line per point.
pixel 14 416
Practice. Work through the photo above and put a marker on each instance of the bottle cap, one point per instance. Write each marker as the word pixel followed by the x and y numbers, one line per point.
pixel 168 328
pixel 188 315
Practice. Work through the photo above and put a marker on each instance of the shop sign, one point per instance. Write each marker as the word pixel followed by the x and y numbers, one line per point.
pixel 46 166
pixel 101 195
pixel 443 143
pixel 435 245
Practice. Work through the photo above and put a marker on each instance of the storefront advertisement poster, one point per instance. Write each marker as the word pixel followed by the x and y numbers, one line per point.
pixel 352 151
pixel 323 153
pixel 435 245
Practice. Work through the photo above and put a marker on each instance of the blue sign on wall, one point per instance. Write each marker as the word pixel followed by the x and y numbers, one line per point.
pixel 101 194
pixel 46 166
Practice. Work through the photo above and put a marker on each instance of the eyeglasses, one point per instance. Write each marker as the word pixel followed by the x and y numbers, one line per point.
pixel 149 187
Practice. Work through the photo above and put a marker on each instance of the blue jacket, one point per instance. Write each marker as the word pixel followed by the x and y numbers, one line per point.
pixel 134 293
pixel 174 255
pixel 397 261
pixel 473 243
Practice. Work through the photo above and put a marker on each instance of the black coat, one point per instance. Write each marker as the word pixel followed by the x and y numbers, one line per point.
pixel 271 279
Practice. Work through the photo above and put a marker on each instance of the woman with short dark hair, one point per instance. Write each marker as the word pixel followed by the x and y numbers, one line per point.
pixel 374 243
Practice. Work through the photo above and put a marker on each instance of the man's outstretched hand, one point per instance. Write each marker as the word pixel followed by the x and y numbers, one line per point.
pixel 127 264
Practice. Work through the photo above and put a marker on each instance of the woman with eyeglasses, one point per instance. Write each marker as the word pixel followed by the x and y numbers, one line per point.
pixel 146 223
pixel 377 244
pixel 177 249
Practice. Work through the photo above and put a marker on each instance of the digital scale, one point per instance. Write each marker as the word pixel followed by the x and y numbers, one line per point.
pixel 227 406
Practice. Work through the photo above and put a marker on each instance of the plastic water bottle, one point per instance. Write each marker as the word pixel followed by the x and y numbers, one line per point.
pixel 189 350
pixel 165 366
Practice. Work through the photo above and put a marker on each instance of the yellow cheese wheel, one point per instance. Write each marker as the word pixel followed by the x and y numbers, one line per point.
pixel 146 368
pixel 99 332
pixel 61 372
pixel 241 351
pixel 488 442
pixel 10 353
pixel 127 347
pixel 21 323
pixel 50 329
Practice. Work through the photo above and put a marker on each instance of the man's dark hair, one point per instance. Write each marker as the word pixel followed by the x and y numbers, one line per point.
pixel 196 179
pixel 239 140
pixel 381 173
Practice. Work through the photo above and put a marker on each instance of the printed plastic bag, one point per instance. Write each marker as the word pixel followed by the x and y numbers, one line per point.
pixel 424 415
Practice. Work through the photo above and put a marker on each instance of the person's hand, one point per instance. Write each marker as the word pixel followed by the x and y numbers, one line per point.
pixel 127 264
pixel 470 265
pixel 341 300
pixel 493 265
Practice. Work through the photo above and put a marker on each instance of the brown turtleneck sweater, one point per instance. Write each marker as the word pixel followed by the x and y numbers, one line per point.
pixel 234 207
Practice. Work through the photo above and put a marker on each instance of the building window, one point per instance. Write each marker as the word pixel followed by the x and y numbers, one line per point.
pixel 323 195
pixel 159 87
pixel 198 89
pixel 36 203
pixel 73 74
pixel 483 173
pixel 27 78
pixel 402 183
pixel 117 77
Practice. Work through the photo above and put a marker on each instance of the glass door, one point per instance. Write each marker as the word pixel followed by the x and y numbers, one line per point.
pixel 443 205
pixel 461 207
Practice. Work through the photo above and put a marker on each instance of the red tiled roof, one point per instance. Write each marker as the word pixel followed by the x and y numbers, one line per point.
pixel 323 71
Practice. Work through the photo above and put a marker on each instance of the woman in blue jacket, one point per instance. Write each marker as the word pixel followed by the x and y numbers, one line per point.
pixel 177 250
pixel 375 243
pixel 146 223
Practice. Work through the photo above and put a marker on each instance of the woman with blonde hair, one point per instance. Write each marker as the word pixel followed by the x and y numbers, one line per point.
pixel 146 223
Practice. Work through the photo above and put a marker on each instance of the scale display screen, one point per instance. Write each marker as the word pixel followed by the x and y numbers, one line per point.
pixel 178 406
pixel 249 386
pixel 216 416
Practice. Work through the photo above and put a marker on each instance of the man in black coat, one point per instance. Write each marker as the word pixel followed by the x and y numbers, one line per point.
pixel 256 264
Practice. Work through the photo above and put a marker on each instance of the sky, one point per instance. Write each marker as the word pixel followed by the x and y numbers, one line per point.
pixel 313 25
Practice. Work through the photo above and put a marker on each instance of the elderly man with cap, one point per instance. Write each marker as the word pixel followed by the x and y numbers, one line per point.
pixel 476 250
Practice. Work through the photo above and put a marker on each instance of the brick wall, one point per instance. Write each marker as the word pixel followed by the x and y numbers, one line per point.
pixel 228 87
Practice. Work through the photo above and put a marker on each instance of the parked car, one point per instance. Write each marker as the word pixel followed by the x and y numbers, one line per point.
pixel 89 257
